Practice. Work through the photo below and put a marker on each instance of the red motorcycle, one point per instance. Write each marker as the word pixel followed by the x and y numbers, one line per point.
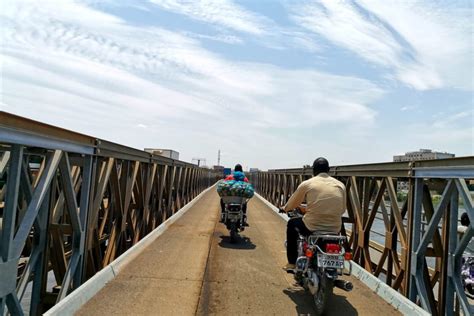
pixel 320 262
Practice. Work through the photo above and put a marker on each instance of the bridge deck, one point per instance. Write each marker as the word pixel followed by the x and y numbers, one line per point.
pixel 193 269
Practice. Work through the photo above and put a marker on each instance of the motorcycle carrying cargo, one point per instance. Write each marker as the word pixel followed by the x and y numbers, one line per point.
pixel 235 188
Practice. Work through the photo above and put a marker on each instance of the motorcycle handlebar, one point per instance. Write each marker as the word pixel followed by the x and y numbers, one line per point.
pixel 293 213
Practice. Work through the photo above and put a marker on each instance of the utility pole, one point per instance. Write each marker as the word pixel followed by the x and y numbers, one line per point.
pixel 219 157
pixel 199 161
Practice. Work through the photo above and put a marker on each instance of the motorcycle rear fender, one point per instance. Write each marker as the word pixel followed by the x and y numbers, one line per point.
pixel 331 274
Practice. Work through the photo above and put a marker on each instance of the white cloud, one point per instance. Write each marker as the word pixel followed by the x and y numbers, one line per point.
pixel 224 38
pixel 302 41
pixel 341 22
pixel 94 73
pixel 427 46
pixel 451 121
pixel 224 13
pixel 449 131
pixel 411 108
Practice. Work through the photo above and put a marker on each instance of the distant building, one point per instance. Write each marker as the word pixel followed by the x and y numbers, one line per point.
pixel 169 153
pixel 422 154
pixel 253 170
pixel 219 169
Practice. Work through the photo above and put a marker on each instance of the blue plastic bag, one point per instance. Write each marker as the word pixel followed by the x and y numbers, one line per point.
pixel 235 188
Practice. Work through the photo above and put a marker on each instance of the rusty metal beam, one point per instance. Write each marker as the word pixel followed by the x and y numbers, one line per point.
pixel 89 201
pixel 408 240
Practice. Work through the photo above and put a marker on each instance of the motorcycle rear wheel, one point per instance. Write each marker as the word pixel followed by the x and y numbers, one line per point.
pixel 323 295
pixel 233 233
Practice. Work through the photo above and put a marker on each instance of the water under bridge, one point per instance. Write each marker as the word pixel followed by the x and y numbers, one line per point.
pixel 91 227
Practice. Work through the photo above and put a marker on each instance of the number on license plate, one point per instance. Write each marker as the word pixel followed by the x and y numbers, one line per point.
pixel 325 261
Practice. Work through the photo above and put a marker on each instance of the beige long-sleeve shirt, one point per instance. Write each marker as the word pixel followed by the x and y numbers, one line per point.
pixel 326 202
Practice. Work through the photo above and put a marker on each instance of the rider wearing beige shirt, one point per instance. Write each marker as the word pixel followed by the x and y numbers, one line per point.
pixel 326 202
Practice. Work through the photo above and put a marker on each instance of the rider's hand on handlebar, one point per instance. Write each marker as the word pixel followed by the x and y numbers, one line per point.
pixel 301 209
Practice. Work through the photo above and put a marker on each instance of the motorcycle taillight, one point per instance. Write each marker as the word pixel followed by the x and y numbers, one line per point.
pixel 333 248
pixel 305 246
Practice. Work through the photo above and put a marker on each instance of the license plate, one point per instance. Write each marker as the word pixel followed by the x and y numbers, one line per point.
pixel 329 261
pixel 234 216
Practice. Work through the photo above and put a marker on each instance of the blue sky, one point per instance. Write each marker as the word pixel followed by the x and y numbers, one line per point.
pixel 271 83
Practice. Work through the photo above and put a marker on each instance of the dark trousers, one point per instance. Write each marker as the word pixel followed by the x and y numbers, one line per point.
pixel 294 226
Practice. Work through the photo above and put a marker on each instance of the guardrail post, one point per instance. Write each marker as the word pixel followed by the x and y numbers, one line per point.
pixel 40 270
pixel 9 261
pixel 447 303
pixel 87 189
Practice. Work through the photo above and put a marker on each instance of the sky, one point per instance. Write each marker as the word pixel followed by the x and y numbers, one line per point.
pixel 272 84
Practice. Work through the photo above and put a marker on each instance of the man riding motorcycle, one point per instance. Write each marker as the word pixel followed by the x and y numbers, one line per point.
pixel 325 197
pixel 237 168
pixel 238 175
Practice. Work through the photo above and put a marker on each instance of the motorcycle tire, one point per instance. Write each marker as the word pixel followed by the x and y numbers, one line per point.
pixel 233 233
pixel 321 298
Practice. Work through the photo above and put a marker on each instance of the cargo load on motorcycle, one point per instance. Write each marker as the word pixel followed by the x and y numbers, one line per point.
pixel 235 188
pixel 234 192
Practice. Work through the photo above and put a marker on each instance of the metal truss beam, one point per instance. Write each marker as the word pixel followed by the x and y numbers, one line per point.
pixel 415 229
pixel 71 204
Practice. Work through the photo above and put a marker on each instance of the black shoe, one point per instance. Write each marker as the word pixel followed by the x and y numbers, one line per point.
pixel 290 268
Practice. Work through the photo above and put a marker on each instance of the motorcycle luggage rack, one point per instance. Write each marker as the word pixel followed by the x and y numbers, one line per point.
pixel 233 199
pixel 312 239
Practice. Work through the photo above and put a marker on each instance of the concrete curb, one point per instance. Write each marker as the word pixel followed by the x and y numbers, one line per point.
pixel 74 301
pixel 397 300
pixel 272 207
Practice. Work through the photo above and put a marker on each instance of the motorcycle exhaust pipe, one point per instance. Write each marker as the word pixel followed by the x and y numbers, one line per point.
pixel 343 285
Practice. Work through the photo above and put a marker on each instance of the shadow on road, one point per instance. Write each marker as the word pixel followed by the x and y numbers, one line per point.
pixel 338 304
pixel 241 243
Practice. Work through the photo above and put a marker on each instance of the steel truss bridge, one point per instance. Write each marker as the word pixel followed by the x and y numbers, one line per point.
pixel 402 258
pixel 85 202
pixel 70 204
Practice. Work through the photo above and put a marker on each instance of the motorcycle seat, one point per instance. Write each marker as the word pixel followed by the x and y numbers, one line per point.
pixel 326 235
pixel 321 239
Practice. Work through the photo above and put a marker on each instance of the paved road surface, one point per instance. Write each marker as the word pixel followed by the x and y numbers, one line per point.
pixel 193 269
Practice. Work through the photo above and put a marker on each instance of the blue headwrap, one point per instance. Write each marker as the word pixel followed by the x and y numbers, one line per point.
pixel 239 176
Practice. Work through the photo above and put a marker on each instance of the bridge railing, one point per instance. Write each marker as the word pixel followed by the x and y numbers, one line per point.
pixel 401 223
pixel 70 204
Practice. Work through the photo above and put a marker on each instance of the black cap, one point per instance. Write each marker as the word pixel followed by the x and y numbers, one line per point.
pixel 320 165
pixel 238 167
